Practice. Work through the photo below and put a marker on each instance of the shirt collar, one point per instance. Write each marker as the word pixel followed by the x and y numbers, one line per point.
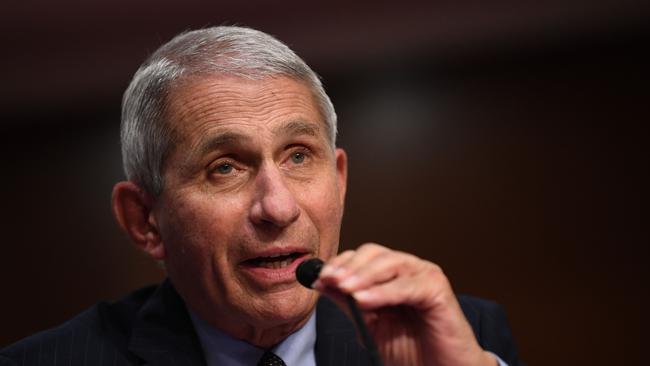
pixel 221 349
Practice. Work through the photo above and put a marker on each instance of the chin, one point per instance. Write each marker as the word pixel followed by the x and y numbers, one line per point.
pixel 290 309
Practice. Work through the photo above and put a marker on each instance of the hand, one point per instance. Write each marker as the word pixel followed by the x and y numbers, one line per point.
pixel 408 304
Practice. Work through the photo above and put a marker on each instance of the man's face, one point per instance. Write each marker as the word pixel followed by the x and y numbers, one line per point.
pixel 252 188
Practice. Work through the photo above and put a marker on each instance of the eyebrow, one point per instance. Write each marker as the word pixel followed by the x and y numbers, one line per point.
pixel 231 138
pixel 298 128
pixel 217 142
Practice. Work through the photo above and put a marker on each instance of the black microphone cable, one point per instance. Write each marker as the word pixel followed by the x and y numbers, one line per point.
pixel 307 273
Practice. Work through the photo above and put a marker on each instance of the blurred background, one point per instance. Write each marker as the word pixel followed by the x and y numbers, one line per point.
pixel 504 140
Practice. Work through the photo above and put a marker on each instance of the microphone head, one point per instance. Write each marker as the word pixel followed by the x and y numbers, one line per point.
pixel 308 271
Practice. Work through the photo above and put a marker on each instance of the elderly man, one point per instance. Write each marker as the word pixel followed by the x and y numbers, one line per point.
pixel 234 179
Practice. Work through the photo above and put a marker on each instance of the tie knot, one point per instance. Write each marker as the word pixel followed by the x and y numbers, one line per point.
pixel 270 359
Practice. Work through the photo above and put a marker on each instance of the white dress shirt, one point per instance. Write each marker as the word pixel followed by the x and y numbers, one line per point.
pixel 296 350
pixel 221 349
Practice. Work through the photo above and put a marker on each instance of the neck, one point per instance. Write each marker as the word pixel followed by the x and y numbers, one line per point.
pixel 267 338
pixel 261 337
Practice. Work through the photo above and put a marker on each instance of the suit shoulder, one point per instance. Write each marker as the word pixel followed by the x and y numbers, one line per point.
pixel 474 307
pixel 103 327
pixel 491 327
pixel 4 361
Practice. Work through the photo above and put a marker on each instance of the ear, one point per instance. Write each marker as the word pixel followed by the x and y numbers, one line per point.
pixel 342 172
pixel 132 207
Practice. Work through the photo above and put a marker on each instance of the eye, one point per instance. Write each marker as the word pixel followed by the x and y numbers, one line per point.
pixel 224 168
pixel 298 157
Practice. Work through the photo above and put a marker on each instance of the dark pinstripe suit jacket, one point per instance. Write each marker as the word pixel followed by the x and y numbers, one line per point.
pixel 152 327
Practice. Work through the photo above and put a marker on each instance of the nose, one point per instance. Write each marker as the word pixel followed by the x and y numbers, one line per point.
pixel 274 202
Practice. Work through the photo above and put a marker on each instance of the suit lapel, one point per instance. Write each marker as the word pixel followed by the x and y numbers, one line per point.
pixel 336 339
pixel 163 333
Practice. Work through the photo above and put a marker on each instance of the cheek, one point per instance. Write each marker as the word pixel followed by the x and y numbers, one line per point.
pixel 196 228
pixel 322 204
pixel 325 200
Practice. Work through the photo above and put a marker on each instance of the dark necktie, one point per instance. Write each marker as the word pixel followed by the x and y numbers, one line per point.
pixel 270 359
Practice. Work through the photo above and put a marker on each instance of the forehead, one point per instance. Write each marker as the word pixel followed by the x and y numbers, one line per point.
pixel 220 104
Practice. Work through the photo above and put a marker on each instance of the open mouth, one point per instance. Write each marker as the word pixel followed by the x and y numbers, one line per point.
pixel 277 261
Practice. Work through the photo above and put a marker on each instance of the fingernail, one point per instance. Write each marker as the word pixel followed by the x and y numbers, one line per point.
pixel 317 285
pixel 363 295
pixel 349 282
pixel 327 270
pixel 341 271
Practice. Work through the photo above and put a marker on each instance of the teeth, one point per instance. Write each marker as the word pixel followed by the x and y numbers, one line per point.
pixel 276 264
pixel 278 255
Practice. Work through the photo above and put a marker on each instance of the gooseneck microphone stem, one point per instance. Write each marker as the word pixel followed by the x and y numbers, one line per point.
pixel 307 273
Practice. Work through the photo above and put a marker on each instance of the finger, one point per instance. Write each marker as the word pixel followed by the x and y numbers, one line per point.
pixel 364 255
pixel 395 340
pixel 335 263
pixel 423 290
pixel 383 267
pixel 343 267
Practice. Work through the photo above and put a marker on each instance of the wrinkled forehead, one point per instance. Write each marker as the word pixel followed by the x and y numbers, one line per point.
pixel 220 104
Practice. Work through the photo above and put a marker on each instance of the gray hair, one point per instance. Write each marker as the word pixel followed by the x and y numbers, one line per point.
pixel 146 136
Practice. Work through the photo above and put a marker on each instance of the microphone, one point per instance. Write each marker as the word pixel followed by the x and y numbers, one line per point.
pixel 307 273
